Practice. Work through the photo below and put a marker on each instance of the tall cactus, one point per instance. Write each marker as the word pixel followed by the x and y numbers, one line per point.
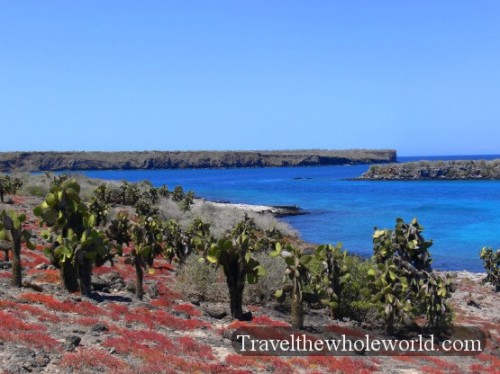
pixel 328 279
pixel 298 273
pixel 75 243
pixel 235 254
pixel 12 231
pixel 491 263
pixel 9 185
pixel 147 236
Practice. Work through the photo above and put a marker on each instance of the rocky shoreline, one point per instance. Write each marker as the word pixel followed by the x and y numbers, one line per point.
pixel 435 170
pixel 57 161
pixel 276 211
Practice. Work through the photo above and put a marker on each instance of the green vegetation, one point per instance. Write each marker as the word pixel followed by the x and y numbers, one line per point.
pixel 234 253
pixel 147 237
pixel 428 170
pixel 9 186
pixel 11 230
pixel 299 275
pixel 75 244
pixel 491 263
pixel 402 284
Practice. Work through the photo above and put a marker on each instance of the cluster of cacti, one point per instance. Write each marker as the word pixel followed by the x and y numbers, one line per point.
pixel 402 281
pixel 234 253
pixel 491 263
pixel 9 186
pixel 11 230
pixel 75 244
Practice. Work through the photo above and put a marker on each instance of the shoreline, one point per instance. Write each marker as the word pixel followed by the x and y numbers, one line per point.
pixel 276 210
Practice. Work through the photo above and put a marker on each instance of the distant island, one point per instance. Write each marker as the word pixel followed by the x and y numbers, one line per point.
pixel 435 170
pixel 57 161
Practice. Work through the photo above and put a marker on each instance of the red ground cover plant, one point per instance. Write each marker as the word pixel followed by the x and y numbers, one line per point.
pixel 103 270
pixel 161 303
pixel 94 359
pixel 481 369
pixel 39 313
pixel 4 274
pixel 278 364
pixel 168 293
pixel 86 321
pixel 156 318
pixel 88 309
pixel 136 341
pixel 32 334
pixel 187 308
pixel 443 364
pixel 257 321
pixel 192 348
pixel 9 322
pixel 117 311
pixel 7 304
pixel 45 276
pixel 47 300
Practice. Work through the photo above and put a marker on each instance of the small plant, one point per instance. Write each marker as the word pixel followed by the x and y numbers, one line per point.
pixel 491 263
pixel 178 194
pixel 12 231
pixel 163 191
pixel 187 201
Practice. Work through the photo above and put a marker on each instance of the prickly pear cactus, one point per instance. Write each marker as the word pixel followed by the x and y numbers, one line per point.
pixel 11 230
pixel 299 276
pixel 74 243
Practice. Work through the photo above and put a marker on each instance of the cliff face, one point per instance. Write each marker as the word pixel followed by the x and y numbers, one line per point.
pixel 53 161
pixel 435 170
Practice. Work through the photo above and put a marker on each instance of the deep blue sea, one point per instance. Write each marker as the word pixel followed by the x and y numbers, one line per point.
pixel 459 216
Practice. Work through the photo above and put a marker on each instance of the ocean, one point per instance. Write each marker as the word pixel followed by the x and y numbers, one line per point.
pixel 459 216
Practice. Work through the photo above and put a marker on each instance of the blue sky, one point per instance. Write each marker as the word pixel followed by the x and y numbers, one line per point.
pixel 418 76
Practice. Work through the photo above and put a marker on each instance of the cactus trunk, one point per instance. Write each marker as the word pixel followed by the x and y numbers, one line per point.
pixel 84 277
pixel 297 311
pixel 389 324
pixel 139 288
pixel 70 277
pixel 236 284
pixel 17 280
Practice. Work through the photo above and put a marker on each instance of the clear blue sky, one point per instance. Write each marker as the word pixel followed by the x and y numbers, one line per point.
pixel 422 77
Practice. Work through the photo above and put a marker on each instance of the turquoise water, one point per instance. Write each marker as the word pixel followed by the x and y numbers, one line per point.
pixel 460 216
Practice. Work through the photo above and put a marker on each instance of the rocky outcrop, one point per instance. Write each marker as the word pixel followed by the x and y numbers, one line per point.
pixel 54 161
pixel 435 170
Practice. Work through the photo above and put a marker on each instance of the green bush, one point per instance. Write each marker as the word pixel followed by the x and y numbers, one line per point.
pixel 491 263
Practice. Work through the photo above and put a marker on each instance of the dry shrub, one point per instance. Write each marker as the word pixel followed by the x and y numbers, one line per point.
pixel 205 282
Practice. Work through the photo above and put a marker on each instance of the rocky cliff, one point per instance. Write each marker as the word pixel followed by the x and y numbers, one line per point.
pixel 435 170
pixel 53 161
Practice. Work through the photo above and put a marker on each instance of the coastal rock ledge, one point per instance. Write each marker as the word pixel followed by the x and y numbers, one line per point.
pixel 435 170
pixel 54 161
